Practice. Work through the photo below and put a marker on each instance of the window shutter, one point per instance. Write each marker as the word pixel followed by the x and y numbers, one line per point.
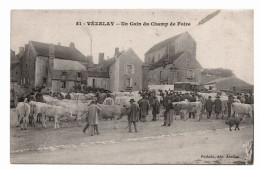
pixel 133 69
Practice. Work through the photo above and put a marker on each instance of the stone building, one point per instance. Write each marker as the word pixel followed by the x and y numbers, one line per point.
pixel 60 68
pixel 15 71
pixel 56 67
pixel 172 61
pixel 122 72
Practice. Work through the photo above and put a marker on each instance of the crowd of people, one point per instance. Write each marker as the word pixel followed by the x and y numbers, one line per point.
pixel 139 110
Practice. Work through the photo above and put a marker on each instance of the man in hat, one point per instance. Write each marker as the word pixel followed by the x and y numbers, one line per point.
pixel 68 96
pixel 202 100
pixel 156 107
pixel 169 113
pixel 218 107
pixel 109 100
pixel 229 103
pixel 208 106
pixel 192 99
pixel 144 108
pixel 92 119
pixel 133 115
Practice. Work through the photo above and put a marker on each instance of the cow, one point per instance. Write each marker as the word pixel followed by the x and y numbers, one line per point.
pixel 50 111
pixel 79 110
pixel 241 110
pixel 23 111
pixel 186 107
pixel 112 111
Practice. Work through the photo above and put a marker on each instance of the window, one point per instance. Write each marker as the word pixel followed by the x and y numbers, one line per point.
pixel 44 80
pixel 64 74
pixel 160 75
pixel 79 74
pixel 25 65
pixel 129 82
pixel 63 84
pixel 210 87
pixel 190 74
pixel 16 73
pixel 129 69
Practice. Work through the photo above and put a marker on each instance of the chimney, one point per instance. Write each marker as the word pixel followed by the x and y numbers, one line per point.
pixel 116 52
pixel 58 43
pixel 51 51
pixel 26 47
pixel 72 45
pixel 101 58
pixel 21 51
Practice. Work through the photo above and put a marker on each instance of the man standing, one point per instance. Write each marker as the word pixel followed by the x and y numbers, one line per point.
pixel 144 108
pixel 229 103
pixel 192 99
pixel 169 113
pixel 218 107
pixel 68 96
pixel 209 106
pixel 133 115
pixel 108 100
pixel 92 121
pixel 202 100
pixel 156 107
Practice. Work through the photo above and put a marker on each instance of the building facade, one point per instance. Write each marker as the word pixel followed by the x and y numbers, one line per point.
pixel 61 68
pixel 172 61
pixel 56 67
pixel 123 71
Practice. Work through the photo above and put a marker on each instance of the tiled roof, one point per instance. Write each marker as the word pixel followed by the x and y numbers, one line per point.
pixel 233 80
pixel 13 65
pixel 98 74
pixel 109 62
pixel 68 65
pixel 164 43
pixel 160 63
pixel 61 52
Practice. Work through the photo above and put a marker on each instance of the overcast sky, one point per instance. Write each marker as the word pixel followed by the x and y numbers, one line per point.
pixel 224 41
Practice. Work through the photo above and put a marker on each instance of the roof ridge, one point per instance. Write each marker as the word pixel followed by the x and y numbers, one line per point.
pixel 165 42
pixel 51 44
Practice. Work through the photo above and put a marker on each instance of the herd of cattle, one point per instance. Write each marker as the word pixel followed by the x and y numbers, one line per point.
pixel 77 108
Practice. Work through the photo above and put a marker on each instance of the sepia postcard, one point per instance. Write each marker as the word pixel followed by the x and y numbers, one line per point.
pixel 146 86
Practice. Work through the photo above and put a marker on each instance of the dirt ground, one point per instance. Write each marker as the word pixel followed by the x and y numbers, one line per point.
pixel 185 142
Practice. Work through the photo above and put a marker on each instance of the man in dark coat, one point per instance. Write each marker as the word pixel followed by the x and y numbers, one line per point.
pixel 192 99
pixel 218 107
pixel 169 113
pixel 39 97
pixel 209 106
pixel 92 119
pixel 133 115
pixel 144 108
pixel 165 104
pixel 156 107
pixel 68 96
pixel 229 103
